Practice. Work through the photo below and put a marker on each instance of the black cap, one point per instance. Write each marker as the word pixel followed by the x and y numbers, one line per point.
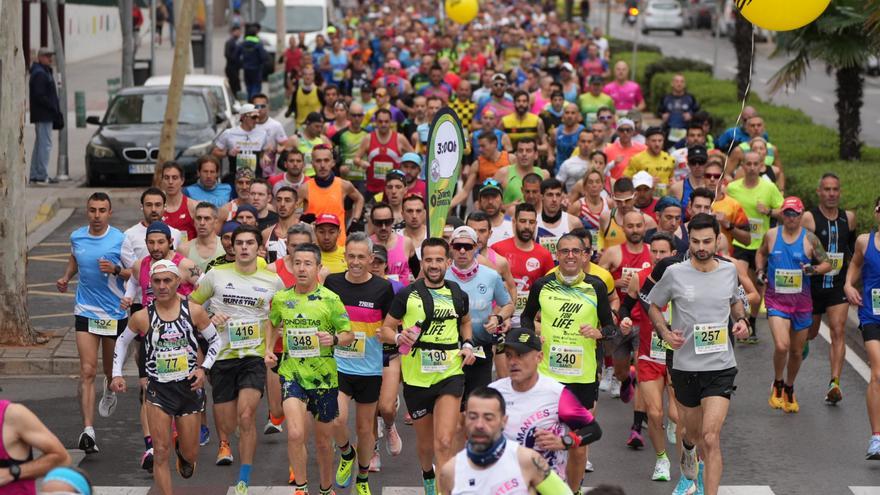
pixel 596 79
pixel 650 131
pixel 698 152
pixel 381 252
pixel 313 118
pixel 522 340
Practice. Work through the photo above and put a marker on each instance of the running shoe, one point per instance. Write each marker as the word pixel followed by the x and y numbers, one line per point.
pixel 589 467
pixel 343 472
pixel 635 440
pixel 184 467
pixel 362 488
pixel 375 462
pixel 204 435
pixel 147 460
pixel 87 443
pixel 272 428
pixel 108 401
pixel 698 483
pixel 873 449
pixel 627 388
pixel 291 480
pixel 670 431
pixel 834 395
pixel 241 488
pixel 224 455
pixel 790 403
pixel 753 337
pixel 775 400
pixel 684 487
pixel 615 387
pixel 607 375
pixel 393 442
pixel 689 463
pixel 661 469
pixel 380 427
pixel 430 486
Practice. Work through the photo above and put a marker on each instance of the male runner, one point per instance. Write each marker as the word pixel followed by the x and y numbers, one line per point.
pixel 489 202
pixel 327 233
pixel 703 292
pixel 327 193
pixel 510 177
pixel 381 151
pixel 261 197
pixel 159 246
pixel 433 313
pixel 554 221
pixel 492 464
pixel 367 299
pixel 179 209
pixel 415 218
pixel 836 229
pixel 206 246
pixel 294 163
pixel 610 227
pixel 311 321
pixel 542 413
pixel 528 260
pixel 276 235
pixel 239 294
pixel 865 265
pixel 175 388
pixel 786 256
pixel 575 314
pixel 96 254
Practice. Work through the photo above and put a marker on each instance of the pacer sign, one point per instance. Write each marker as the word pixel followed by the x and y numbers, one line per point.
pixel 445 150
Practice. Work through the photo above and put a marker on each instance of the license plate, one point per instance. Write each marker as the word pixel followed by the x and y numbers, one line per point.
pixel 141 168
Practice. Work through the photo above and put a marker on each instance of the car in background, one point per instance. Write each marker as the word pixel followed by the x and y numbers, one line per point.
pixel 217 84
pixel 728 21
pixel 663 15
pixel 701 14
pixel 312 17
pixel 125 147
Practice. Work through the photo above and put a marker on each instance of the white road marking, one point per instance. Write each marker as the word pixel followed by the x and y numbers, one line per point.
pixel 405 490
pixel 745 490
pixel 865 490
pixel 122 490
pixel 851 357
pixel 817 99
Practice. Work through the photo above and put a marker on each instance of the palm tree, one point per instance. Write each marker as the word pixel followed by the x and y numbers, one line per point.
pixel 840 40
pixel 742 45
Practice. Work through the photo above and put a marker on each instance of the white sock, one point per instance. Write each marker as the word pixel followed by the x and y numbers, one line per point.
pixel 90 431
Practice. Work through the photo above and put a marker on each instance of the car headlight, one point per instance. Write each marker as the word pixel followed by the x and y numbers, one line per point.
pixel 199 149
pixel 98 151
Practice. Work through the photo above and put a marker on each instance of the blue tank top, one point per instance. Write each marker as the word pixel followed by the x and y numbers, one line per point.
pixel 788 288
pixel 869 311
pixel 565 144
pixel 338 63
pixel 686 191
pixel 475 143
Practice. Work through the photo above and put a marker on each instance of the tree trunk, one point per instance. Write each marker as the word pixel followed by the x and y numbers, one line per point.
pixel 742 44
pixel 168 137
pixel 126 25
pixel 850 86
pixel 15 327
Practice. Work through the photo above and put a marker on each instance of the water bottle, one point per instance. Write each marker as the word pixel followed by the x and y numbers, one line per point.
pixel 404 349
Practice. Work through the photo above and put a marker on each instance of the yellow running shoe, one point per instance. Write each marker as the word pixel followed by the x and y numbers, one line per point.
pixel 775 399
pixel 362 488
pixel 343 472
pixel 790 404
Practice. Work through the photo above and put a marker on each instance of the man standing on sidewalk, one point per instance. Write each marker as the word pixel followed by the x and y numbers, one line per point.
pixel 44 112
pixel 231 51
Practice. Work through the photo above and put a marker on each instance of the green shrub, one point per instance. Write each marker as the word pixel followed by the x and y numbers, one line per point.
pixel 674 64
pixel 643 59
pixel 857 193
pixel 616 45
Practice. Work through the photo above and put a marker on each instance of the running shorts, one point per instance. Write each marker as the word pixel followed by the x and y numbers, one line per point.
pixel 691 387
pixel 229 376
pixel 81 324
pixel 420 400
pixel 799 321
pixel 176 398
pixel 363 389
pixel 586 393
pixel 478 374
pixel 825 298
pixel 648 371
pixel 871 331
pixel 322 403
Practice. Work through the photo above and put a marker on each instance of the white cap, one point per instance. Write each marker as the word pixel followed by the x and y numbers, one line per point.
pixel 643 178
pixel 464 232
pixel 247 108
pixel 626 123
pixel 162 266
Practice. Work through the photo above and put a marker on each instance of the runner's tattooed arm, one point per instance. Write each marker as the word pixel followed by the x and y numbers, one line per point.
pixel 819 254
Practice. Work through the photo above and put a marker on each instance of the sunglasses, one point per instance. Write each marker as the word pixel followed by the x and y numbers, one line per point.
pixel 569 252
pixel 458 246
pixel 260 106
pixel 712 176
pixel 357 114
pixel 383 222
pixel 625 129
pixel 381 94
pixel 605 117
pixel 697 164
pixel 791 214
pixel 624 200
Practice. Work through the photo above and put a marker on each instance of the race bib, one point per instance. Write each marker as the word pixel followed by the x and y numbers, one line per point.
pixel 661 189
pixel 244 334
pixel 435 361
pixel 246 159
pixel 756 228
pixel 338 74
pixel 172 365
pixel 788 281
pixel 875 301
pixel 381 169
pixel 658 347
pixel 354 172
pixel 836 260
pixel 103 328
pixel 302 342
pixel 594 239
pixel 710 338
pixel 676 135
pixel 549 243
pixel 355 350
pixel 552 60
pixel 628 271
pixel 566 360
pixel 480 352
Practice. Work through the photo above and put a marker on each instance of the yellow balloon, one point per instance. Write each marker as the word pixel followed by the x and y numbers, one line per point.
pixel 781 15
pixel 462 11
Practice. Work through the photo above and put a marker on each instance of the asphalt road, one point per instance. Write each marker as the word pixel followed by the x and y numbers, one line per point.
pixel 815 95
pixel 818 451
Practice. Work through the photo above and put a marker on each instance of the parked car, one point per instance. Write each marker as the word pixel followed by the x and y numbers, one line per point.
pixel 125 147
pixel 663 15
pixel 728 19
pixel 217 84
pixel 701 14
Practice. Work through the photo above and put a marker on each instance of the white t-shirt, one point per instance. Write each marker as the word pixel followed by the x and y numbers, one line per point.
pixel 253 141
pixel 274 129
pixel 571 171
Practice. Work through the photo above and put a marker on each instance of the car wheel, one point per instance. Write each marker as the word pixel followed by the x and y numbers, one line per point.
pixel 679 32
pixel 645 31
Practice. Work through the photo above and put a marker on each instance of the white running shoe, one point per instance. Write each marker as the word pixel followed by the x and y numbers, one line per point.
pixel 661 470
pixel 380 427
pixel 589 467
pixel 615 387
pixel 689 465
pixel 607 375
pixel 108 402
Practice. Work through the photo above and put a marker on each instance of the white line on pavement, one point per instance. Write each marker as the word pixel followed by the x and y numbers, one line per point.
pixel 817 99
pixel 401 490
pixel 854 360
pixel 865 490
pixel 744 490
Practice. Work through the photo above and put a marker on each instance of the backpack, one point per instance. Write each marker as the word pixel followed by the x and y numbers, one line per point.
pixel 458 302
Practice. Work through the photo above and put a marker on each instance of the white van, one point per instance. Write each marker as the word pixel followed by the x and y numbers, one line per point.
pixel 311 17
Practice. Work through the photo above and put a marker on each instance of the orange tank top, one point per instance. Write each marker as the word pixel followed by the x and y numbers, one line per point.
pixel 328 200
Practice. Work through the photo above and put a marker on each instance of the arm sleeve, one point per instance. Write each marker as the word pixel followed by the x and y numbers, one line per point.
pixel 131 286
pixel 627 306
pixel 603 307
pixel 127 254
pixel 578 418
pixel 210 334
pixel 553 485
pixel 533 304
pixel 119 351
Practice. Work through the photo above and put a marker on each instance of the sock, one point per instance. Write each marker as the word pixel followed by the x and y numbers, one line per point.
pixel 325 491
pixel 876 434
pixel 752 322
pixel 638 418
pixel 778 386
pixel 835 381
pixel 661 455
pixel 244 473
pixel 686 445
pixel 346 451
pixel 301 488
pixel 363 473
pixel 789 390
pixel 609 361
pixel 428 475
pixel 148 442
pixel 276 421
pixel 90 431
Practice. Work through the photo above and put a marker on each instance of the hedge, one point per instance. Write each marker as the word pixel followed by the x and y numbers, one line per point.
pixel 643 60
pixel 675 64
pixel 617 45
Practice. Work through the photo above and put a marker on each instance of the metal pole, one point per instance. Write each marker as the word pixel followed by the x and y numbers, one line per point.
pixel 718 15
pixel 152 37
pixel 253 8
pixel 280 30
pixel 632 68
pixel 608 18
pixel 209 36
pixel 61 172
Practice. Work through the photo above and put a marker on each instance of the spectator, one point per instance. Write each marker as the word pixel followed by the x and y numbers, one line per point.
pixel 22 432
pixel 45 115
pixel 232 53
pixel 253 58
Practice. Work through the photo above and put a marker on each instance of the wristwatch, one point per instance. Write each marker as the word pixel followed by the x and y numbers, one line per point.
pixel 335 340
pixel 15 471
pixel 117 270
pixel 500 320
pixel 568 441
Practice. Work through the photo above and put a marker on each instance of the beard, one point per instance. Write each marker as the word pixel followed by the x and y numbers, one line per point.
pixel 524 235
pixel 702 255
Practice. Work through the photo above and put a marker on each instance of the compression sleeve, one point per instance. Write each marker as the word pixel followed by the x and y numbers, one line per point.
pixel 120 350
pixel 627 306
pixel 553 485
pixel 578 418
pixel 533 304
pixel 210 334
pixel 131 286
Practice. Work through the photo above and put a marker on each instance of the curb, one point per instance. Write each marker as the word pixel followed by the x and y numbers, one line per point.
pixel 47 210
